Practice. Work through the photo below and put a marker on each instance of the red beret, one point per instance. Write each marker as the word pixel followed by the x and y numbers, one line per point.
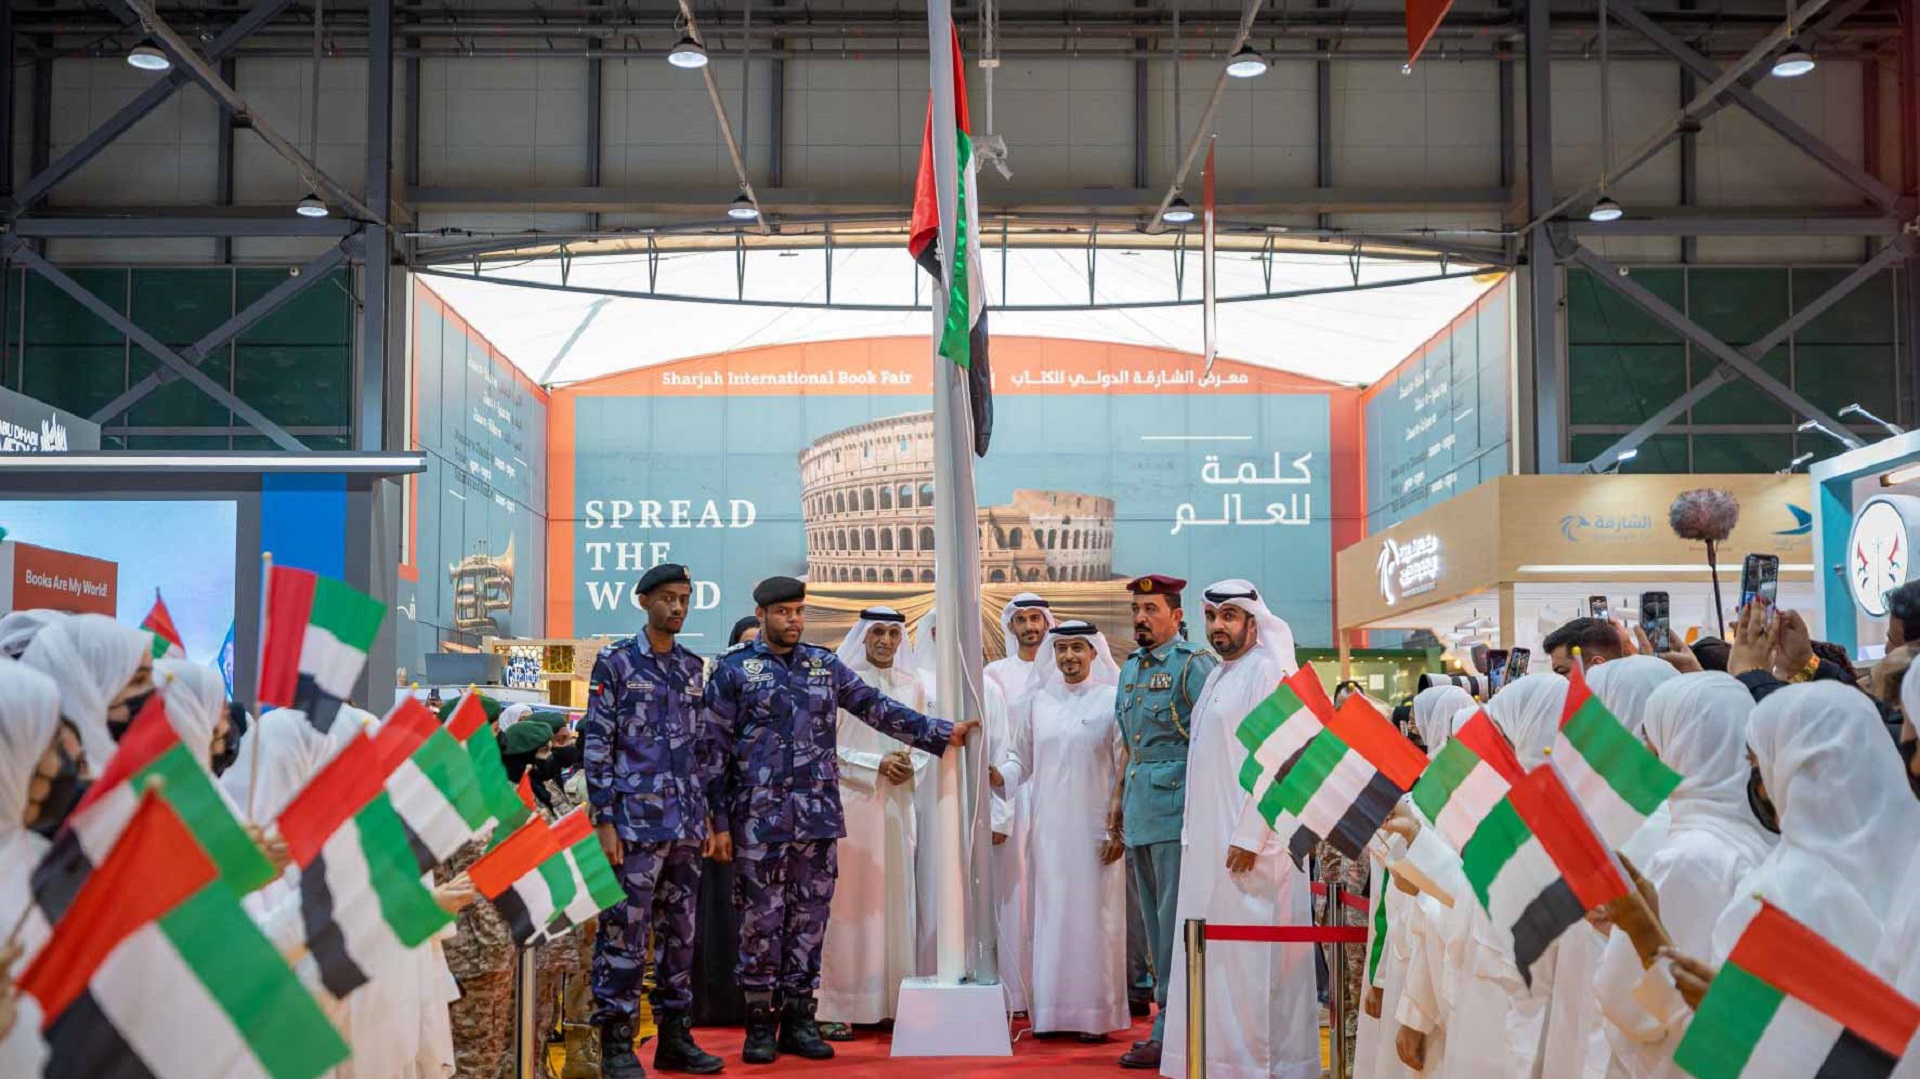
pixel 1155 584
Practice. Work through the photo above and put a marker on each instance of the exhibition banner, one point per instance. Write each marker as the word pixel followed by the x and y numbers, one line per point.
pixel 816 460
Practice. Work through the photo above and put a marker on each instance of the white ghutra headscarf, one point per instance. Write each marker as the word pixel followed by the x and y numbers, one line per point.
pixel 1018 603
pixel 1275 641
pixel 1046 670
pixel 853 647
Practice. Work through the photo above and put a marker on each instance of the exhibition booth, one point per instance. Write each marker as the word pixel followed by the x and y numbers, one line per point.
pixel 1866 519
pixel 1506 562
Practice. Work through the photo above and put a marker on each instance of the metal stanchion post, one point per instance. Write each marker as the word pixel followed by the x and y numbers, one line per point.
pixel 528 1041
pixel 1196 998
pixel 1337 1011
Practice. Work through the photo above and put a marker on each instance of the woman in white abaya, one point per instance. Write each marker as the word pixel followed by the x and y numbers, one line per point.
pixel 29 726
pixel 1697 723
pixel 1847 819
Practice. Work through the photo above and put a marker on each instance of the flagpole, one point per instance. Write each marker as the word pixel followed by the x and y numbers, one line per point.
pixel 953 507
pixel 259 661
pixel 1208 286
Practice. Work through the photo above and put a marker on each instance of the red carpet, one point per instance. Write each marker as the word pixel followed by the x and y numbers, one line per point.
pixel 867 1058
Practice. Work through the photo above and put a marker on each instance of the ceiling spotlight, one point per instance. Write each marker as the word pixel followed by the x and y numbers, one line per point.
pixel 1856 410
pixel 1626 455
pixel 1792 63
pixel 311 206
pixel 742 208
pixel 688 53
pixel 147 58
pixel 1605 210
pixel 1795 463
pixel 1177 212
pixel 1246 63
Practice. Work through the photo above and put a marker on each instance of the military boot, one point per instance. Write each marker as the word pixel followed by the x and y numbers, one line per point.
pixel 616 1052
pixel 761 1024
pixel 677 1052
pixel 799 1034
pixel 582 1053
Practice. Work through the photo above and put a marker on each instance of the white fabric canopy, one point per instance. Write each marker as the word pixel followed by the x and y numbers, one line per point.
pixel 1350 337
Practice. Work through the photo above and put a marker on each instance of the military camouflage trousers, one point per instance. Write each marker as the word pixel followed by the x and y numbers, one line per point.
pixel 783 891
pixel 662 881
pixel 1336 870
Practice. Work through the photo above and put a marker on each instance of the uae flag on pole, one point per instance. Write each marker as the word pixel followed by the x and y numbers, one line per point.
pixel 1618 780
pixel 382 812
pixel 963 337
pixel 1341 785
pixel 526 878
pixel 150 757
pixel 1275 731
pixel 504 804
pixel 1789 1005
pixel 1468 777
pixel 158 973
pixel 166 639
pixel 595 887
pixel 1538 866
pixel 317 634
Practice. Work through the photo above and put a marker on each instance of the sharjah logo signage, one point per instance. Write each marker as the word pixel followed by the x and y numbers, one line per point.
pixel 1408 569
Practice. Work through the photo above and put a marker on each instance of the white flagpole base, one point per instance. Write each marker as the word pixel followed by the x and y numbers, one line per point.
pixel 939 1019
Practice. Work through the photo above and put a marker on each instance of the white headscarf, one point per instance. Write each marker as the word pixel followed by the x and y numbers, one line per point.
pixel 1624 685
pixel 1006 619
pixel 291 753
pixel 853 647
pixel 91 658
pixel 29 716
pixel 1847 817
pixel 19 628
pixel 1433 712
pixel 1697 723
pixel 1528 710
pixel 511 714
pixel 1275 642
pixel 1046 674
pixel 917 655
pixel 196 699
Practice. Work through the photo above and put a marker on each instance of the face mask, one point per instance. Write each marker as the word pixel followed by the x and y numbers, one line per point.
pixel 1762 807
pixel 230 752
pixel 118 728
pixel 63 793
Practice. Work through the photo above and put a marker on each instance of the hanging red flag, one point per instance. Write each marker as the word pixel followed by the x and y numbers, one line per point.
pixel 1423 18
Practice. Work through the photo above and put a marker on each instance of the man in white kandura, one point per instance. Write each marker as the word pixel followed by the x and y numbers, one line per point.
pixel 1025 620
pixel 1068 754
pixel 870 942
pixel 1234 869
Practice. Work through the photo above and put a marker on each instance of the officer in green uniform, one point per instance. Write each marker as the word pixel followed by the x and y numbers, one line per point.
pixel 1159 686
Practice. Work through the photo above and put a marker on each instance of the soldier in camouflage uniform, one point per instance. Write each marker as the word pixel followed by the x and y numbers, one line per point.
pixel 480 955
pixel 777 704
pixel 1336 870
pixel 650 757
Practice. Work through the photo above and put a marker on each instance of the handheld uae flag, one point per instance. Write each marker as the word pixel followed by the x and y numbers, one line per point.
pixel 963 338
pixel 1538 867
pixel 1277 729
pixel 1790 1005
pixel 1618 780
pixel 595 887
pixel 1341 785
pixel 316 638
pixel 382 812
pixel 157 973
pixel 505 805
pixel 150 757
pixel 1467 778
pixel 526 879
pixel 166 639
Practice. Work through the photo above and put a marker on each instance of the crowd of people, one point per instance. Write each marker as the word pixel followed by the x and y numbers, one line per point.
pixel 768 815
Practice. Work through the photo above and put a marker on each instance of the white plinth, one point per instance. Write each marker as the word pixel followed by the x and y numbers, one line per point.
pixel 941 1020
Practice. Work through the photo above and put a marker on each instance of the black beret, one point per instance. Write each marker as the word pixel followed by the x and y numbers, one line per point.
pixel 664 573
pixel 778 590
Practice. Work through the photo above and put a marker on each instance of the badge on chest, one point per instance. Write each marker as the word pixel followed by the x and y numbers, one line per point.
pixel 1162 680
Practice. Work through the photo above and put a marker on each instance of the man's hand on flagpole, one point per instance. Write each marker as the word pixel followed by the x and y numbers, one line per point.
pixel 961 731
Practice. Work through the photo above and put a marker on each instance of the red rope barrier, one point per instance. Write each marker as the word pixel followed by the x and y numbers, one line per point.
pixel 1290 934
pixel 1347 899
